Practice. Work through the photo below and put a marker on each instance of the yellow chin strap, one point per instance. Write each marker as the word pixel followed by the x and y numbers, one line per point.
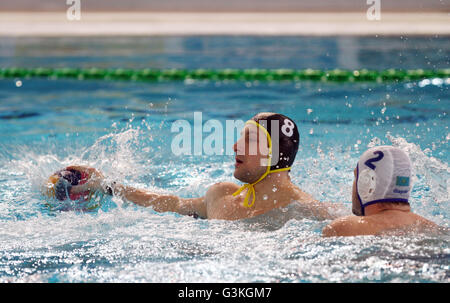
pixel 249 186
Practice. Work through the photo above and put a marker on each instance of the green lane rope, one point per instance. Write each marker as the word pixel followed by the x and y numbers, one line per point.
pixel 155 75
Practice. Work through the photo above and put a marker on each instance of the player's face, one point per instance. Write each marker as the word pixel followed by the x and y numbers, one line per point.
pixel 251 151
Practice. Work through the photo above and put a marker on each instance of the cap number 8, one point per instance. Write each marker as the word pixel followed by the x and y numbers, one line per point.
pixel 288 128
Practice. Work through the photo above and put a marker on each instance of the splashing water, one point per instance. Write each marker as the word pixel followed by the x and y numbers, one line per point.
pixel 431 180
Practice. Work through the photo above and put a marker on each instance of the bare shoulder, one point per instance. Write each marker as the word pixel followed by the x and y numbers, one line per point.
pixel 377 225
pixel 301 196
pixel 220 201
pixel 422 224
pixel 221 189
pixel 318 209
pixel 347 226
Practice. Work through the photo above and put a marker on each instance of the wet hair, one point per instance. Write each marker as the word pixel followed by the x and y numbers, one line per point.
pixel 288 136
pixel 395 203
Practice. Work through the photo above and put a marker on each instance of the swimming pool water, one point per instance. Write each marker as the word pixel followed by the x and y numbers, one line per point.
pixel 123 129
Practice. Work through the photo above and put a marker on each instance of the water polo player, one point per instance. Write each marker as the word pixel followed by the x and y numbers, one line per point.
pixel 265 153
pixel 380 198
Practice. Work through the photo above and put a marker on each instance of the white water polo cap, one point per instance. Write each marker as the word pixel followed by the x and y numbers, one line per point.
pixel 383 174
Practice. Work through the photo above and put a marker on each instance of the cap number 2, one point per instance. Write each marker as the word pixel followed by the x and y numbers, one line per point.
pixel 376 159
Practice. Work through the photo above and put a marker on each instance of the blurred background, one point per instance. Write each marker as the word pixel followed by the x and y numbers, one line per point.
pixel 228 6
pixel 201 17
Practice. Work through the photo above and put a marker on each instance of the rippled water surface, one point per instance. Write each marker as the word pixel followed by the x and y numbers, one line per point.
pixel 124 129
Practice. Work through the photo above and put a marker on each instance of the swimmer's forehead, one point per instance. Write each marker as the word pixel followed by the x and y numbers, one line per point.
pixel 250 128
pixel 253 132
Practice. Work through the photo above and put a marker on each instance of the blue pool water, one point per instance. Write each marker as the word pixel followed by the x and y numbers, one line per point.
pixel 124 130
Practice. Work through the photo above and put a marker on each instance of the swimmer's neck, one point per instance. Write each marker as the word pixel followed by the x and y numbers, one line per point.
pixel 385 208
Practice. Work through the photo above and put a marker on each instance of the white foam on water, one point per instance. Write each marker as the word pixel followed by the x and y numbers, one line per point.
pixel 430 194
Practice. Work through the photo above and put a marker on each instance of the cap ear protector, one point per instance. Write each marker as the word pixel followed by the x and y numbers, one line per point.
pixel 367 183
pixel 382 175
